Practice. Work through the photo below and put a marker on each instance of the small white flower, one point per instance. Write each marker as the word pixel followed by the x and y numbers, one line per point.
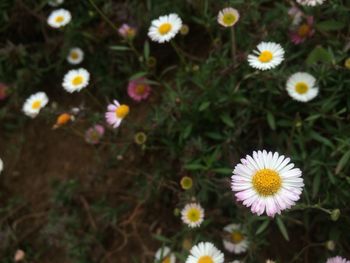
pixel 59 18
pixel 34 104
pixel 311 2
pixel 1 165
pixel 75 56
pixel 337 259
pixel 228 17
pixel 164 255
pixel 192 215
pixel 301 87
pixel 267 56
pixel 234 240
pixel 205 252
pixel 76 80
pixel 55 3
pixel 165 28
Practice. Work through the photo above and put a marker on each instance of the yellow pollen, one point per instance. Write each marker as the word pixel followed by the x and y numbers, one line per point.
pixel 206 259
pixel 140 89
pixel 236 237
pixel 77 80
pixel 59 19
pixel 164 28
pixel 193 215
pixel 36 105
pixel 122 111
pixel 229 19
pixel 301 87
pixel 166 260
pixel 304 30
pixel 265 56
pixel 74 55
pixel 267 182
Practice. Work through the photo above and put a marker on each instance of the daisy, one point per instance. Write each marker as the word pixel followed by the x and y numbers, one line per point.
pixel 164 255
pixel 76 80
pixel 140 138
pixel 301 87
pixel 1 165
pixel 116 113
pixel 55 2
pixel 75 56
pixel 35 103
pixel 205 252
pixel 337 260
pixel 267 56
pixel 94 134
pixel 186 183
pixel 270 261
pixel 192 215
pixel 267 182
pixel 228 17
pixel 235 241
pixel 138 89
pixel 126 31
pixel 311 2
pixel 165 28
pixel 301 32
pixel 59 18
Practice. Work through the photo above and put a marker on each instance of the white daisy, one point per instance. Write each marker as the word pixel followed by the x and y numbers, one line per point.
pixel 228 17
pixel 75 56
pixel 234 240
pixel 267 56
pixel 165 28
pixel 301 87
pixel 270 261
pixel 311 2
pixel 59 18
pixel 164 255
pixel 205 252
pixel 76 80
pixel 35 103
pixel 1 165
pixel 267 182
pixel 55 2
pixel 192 215
pixel 337 259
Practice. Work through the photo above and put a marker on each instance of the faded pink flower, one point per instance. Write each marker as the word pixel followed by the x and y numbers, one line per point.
pixel 127 31
pixel 337 260
pixel 138 89
pixel 19 255
pixel 3 91
pixel 302 31
pixel 94 134
pixel 116 113
pixel 296 15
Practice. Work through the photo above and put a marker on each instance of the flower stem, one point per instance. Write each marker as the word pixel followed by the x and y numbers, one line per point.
pixel 103 15
pixel 233 46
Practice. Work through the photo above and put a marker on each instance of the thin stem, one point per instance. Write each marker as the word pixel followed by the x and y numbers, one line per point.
pixel 103 15
pixel 178 51
pixel 233 45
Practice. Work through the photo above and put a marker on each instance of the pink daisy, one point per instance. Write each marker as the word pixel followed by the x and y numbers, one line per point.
pixel 337 260
pixel 116 113
pixel 94 134
pixel 138 89
pixel 267 182
pixel 127 31
pixel 302 31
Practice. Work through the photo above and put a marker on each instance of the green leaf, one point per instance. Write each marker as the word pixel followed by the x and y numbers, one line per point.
pixel 119 48
pixel 146 50
pixel 262 227
pixel 225 171
pixel 319 54
pixel 162 238
pixel 138 75
pixel 194 166
pixel 329 25
pixel 271 120
pixel 316 185
pixel 321 139
pixel 282 228
pixel 204 105
pixel 342 162
pixel 227 120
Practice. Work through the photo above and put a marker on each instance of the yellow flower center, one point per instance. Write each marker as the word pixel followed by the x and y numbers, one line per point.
pixel 236 237
pixel 193 215
pixel 229 19
pixel 347 63
pixel 267 182
pixel 186 183
pixel 304 30
pixel 166 260
pixel 164 28
pixel 140 138
pixel 205 259
pixel 140 89
pixel 265 56
pixel 59 19
pixel 301 87
pixel 77 80
pixel 74 55
pixel 122 111
pixel 36 105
